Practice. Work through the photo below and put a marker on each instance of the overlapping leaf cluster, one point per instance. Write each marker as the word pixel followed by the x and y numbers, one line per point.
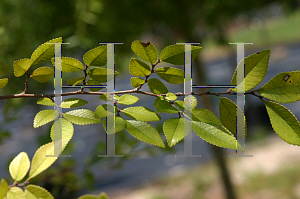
pixel 283 88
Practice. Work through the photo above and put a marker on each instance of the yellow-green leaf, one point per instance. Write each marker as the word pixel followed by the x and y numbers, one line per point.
pixel 19 166
pixel 138 68
pixel 88 196
pixel 136 81
pixel 171 96
pixel 283 88
pixel 36 192
pixel 82 117
pixel 120 124
pixel 94 82
pixel 174 54
pixel 141 113
pixel 66 130
pixel 42 74
pixel 44 158
pixel 144 132
pixel 174 130
pixel 171 75
pixel 102 109
pixel 106 97
pixel 164 106
pixel 128 99
pixel 69 64
pixel 228 111
pixel 75 81
pixel 44 52
pixel 46 102
pixel 146 51
pixel 21 66
pixel 73 103
pixel 216 135
pixel 191 105
pixel 156 86
pixel 103 196
pixel 96 56
pixel 3 82
pixel 284 123
pixel 15 193
pixel 3 189
pixel 44 117
pixel 256 66
pixel 100 74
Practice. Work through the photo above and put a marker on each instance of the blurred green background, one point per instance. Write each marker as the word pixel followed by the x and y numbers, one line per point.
pixel 24 25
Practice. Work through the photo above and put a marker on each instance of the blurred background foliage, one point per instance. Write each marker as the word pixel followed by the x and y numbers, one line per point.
pixel 24 25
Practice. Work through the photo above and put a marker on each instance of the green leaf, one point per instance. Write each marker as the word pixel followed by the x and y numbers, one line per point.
pixel 66 129
pixel 284 123
pixel 146 51
pixel 164 106
pixel 69 64
pixel 36 192
pixel 101 110
pixel 141 113
pixel 46 102
pixel 21 66
pixel 283 88
pixel 120 124
pixel 157 99
pixel 136 81
pixel 44 52
pixel 156 86
pixel 88 196
pixel 174 54
pixel 256 66
pixel 190 98
pixel 216 135
pixel 3 82
pixel 44 117
pixel 103 196
pixel 117 97
pixel 96 56
pixel 128 99
pixel 15 193
pixel 144 132
pixel 42 74
pixel 43 158
pixel 94 82
pixel 171 75
pixel 19 166
pixel 138 68
pixel 205 115
pixel 105 98
pixel 3 189
pixel 179 104
pixel 73 103
pixel 228 110
pixel 82 117
pixel 174 130
pixel 192 101
pixel 75 81
pixel 99 74
pixel 171 96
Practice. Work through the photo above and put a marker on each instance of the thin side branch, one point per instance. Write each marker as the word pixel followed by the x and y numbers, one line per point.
pixel 26 83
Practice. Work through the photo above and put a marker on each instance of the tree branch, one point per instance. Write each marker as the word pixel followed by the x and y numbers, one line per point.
pixel 79 92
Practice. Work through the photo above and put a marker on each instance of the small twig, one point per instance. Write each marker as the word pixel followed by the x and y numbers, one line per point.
pixel 26 83
pixel 19 185
pixel 85 75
